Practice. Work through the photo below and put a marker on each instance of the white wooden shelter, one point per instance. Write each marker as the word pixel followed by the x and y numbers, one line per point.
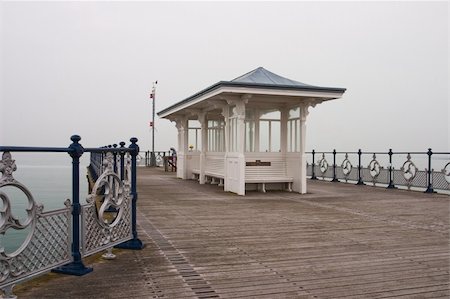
pixel 247 133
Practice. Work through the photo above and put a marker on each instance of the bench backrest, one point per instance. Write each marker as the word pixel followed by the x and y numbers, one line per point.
pixel 215 165
pixel 276 169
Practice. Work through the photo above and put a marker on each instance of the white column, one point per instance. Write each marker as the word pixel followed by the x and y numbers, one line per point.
pixel 303 115
pixel 182 126
pixel 257 115
pixel 283 129
pixel 226 113
pixel 240 107
pixel 204 134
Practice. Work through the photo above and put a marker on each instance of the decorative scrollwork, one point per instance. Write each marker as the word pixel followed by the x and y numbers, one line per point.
pixel 9 262
pixel 323 164
pixel 346 166
pixel 446 172
pixel 118 165
pixel 374 169
pixel 409 170
pixel 7 167
pixel 113 193
pixel 127 168
pixel 159 159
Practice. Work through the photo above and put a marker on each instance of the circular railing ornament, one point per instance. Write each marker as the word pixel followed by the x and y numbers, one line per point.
pixel 346 167
pixel 113 195
pixel 446 172
pixel 374 169
pixel 9 265
pixel 409 170
pixel 323 164
pixel 159 160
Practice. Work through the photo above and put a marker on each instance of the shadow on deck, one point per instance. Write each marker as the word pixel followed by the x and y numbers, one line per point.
pixel 338 240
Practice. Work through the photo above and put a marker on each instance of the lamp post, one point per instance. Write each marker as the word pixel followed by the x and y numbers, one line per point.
pixel 153 97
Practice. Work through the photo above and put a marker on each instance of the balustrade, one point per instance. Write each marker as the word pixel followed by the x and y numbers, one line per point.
pixel 380 170
pixel 57 240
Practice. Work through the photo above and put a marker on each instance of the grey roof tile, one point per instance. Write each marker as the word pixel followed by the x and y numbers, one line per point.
pixel 263 76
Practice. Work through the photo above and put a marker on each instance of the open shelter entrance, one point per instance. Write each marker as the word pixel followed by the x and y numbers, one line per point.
pixel 248 133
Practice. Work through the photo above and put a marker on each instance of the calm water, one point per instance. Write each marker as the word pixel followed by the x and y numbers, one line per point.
pixel 48 176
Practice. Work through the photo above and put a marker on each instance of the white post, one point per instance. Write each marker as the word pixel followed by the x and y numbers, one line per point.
pixel 182 126
pixel 240 107
pixel 283 133
pixel 303 115
pixel 257 115
pixel 204 134
pixel 226 114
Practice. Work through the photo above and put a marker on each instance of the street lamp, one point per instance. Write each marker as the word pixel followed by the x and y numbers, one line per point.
pixel 153 98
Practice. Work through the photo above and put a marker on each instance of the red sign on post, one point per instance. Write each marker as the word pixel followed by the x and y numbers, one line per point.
pixel 151 124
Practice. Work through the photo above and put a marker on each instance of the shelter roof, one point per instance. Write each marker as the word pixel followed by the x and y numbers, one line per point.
pixel 263 76
pixel 257 79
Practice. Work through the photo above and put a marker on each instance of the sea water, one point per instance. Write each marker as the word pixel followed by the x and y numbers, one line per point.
pixel 48 177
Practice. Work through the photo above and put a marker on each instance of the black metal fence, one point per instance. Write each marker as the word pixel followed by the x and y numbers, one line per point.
pixel 57 239
pixel 145 158
pixel 428 171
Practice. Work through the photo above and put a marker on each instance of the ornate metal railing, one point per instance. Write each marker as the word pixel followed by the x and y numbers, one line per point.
pixel 158 156
pixel 54 240
pixel 389 169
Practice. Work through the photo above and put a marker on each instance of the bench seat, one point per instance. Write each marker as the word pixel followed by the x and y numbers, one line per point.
pixel 273 173
pixel 269 180
pixel 260 175
pixel 213 175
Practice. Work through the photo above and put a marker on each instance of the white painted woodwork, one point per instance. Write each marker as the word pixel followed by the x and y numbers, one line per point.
pixel 202 158
pixel 228 168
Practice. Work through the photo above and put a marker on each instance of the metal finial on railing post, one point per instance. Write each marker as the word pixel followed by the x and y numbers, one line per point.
pixel 391 178
pixel 313 174
pixel 334 167
pixel 360 180
pixel 134 243
pixel 429 173
pixel 76 267
pixel 122 161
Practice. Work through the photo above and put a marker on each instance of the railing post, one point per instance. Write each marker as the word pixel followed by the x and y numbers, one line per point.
pixel 334 167
pixel 152 159
pixel 146 159
pixel 100 169
pixel 115 158
pixel 313 175
pixel 122 161
pixel 391 176
pixel 134 243
pixel 76 267
pixel 360 180
pixel 429 173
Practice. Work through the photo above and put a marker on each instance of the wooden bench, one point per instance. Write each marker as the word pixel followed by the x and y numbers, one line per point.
pixel 265 174
pixel 214 170
pixel 195 174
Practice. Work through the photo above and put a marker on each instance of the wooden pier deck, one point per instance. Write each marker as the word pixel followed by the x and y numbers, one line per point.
pixel 338 241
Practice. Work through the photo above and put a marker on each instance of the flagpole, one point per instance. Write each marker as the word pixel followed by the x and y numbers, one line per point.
pixel 153 96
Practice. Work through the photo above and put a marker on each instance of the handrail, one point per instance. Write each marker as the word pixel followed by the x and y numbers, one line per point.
pixel 104 165
pixel 431 180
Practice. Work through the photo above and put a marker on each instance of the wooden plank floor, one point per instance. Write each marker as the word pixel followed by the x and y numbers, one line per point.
pixel 337 241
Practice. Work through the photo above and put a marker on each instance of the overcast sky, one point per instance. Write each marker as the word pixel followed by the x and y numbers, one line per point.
pixel 87 68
